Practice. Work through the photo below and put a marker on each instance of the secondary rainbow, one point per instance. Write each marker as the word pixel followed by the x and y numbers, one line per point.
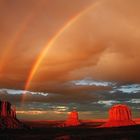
pixel 17 36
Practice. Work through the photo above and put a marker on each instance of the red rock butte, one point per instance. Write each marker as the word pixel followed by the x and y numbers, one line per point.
pixel 119 115
pixel 8 116
pixel 73 119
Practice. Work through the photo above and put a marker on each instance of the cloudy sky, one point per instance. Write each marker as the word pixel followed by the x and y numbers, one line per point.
pixel 69 53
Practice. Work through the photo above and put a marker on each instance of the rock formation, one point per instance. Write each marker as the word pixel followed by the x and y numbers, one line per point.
pixel 119 115
pixel 13 112
pixel 8 116
pixel 73 119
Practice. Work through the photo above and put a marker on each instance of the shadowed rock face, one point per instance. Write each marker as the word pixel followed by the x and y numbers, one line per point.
pixel 5 109
pixel 8 116
pixel 13 112
pixel 73 119
pixel 119 115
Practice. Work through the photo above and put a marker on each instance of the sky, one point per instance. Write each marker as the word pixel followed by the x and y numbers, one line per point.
pixel 60 54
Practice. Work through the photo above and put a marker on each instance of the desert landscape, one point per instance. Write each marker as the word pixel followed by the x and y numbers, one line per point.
pixel 44 130
pixel 69 69
pixel 119 126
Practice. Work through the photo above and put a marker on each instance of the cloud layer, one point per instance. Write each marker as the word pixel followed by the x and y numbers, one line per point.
pixel 102 44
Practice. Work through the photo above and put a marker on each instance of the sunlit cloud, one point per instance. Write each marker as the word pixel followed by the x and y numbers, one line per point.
pixel 32 112
pixel 133 88
pixel 108 102
pixel 87 82
pixel 15 91
pixel 134 101
pixel 60 108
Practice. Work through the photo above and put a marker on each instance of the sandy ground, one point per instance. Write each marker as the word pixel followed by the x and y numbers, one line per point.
pixel 49 130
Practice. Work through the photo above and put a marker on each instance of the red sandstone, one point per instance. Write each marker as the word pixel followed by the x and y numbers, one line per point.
pixel 8 116
pixel 119 115
pixel 73 119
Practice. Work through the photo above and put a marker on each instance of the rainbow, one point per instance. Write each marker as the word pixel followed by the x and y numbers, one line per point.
pixel 49 44
pixel 17 36
pixel 13 42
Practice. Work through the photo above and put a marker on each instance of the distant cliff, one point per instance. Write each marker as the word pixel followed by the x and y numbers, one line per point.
pixel 8 117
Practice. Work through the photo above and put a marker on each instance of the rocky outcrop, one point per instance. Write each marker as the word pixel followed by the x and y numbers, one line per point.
pixel 119 115
pixel 8 116
pixel 73 119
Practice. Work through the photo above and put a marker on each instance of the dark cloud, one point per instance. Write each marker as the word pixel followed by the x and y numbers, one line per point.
pixel 57 106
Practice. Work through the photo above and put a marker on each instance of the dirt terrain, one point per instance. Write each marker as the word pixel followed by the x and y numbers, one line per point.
pixel 50 130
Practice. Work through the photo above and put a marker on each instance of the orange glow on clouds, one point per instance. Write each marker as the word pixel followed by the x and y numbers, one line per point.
pixel 38 112
pixel 46 52
pixel 12 44
pixel 51 43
